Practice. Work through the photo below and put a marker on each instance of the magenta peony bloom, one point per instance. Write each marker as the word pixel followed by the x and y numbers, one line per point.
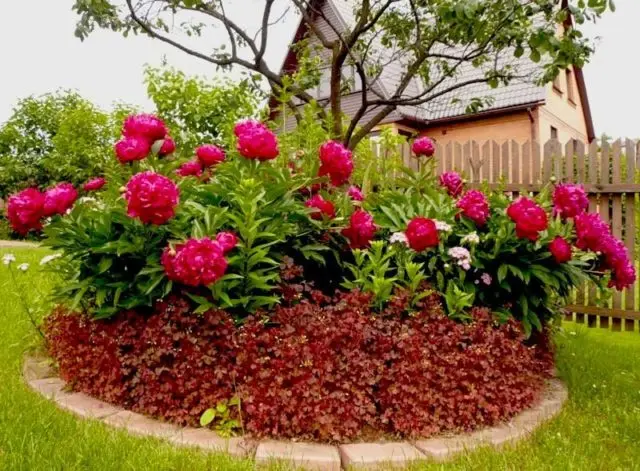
pixel 361 230
pixel 423 146
pixel 256 141
pixel 616 258
pixel 355 193
pixel 529 217
pixel 560 249
pixel 227 241
pixel 132 148
pixel 569 200
pixel 25 210
pixel 322 206
pixel 592 231
pixel 168 147
pixel 151 197
pixel 145 126
pixel 94 184
pixel 475 206
pixel 210 155
pixel 452 182
pixel 336 161
pixel 59 199
pixel 422 234
pixel 198 262
pixel 192 168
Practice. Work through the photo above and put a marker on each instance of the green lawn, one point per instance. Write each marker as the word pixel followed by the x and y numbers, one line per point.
pixel 599 428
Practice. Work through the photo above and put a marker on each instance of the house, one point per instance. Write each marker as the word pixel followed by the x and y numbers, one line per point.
pixel 520 111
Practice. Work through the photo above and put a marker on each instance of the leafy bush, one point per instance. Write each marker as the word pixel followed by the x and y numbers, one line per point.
pixel 62 137
pixel 198 110
pixel 386 374
pixel 55 137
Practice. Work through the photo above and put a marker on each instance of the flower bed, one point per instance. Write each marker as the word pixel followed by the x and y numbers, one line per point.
pixel 329 370
pixel 243 279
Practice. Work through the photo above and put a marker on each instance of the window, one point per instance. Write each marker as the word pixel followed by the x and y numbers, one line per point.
pixel 554 132
pixel 557 86
pixel 571 94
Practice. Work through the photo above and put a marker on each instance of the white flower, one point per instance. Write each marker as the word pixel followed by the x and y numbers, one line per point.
pixel 8 258
pixel 87 199
pixel 399 238
pixel 442 226
pixel 462 256
pixel 49 258
pixel 471 239
pixel 23 267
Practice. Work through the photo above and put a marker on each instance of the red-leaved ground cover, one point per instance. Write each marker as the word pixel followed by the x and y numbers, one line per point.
pixel 318 369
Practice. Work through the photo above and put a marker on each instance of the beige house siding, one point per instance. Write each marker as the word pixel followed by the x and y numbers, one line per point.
pixel 516 125
pixel 565 115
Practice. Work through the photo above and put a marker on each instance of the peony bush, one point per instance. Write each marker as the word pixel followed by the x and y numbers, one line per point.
pixel 216 228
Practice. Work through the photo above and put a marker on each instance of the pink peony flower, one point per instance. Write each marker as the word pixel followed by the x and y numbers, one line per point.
pixel 422 233
pixel 210 155
pixel 336 161
pixel 623 276
pixel 423 146
pixel 59 199
pixel 529 217
pixel 25 211
pixel 361 230
pixel 145 126
pixel 227 241
pixel 560 249
pixel 569 200
pixel 192 168
pixel 355 193
pixel 475 206
pixel 94 184
pixel 322 206
pixel 168 147
pixel 151 197
pixel 256 141
pixel 452 182
pixel 132 148
pixel 616 258
pixel 592 231
pixel 198 262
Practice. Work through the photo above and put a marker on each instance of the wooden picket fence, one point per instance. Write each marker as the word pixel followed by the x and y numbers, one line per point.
pixel 608 172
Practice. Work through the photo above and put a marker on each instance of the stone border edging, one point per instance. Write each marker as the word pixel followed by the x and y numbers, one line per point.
pixel 42 378
pixel 17 244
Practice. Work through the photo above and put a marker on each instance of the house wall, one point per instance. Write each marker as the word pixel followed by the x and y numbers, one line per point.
pixel 566 115
pixel 516 125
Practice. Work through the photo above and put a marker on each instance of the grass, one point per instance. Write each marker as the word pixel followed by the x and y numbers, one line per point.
pixel 598 429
